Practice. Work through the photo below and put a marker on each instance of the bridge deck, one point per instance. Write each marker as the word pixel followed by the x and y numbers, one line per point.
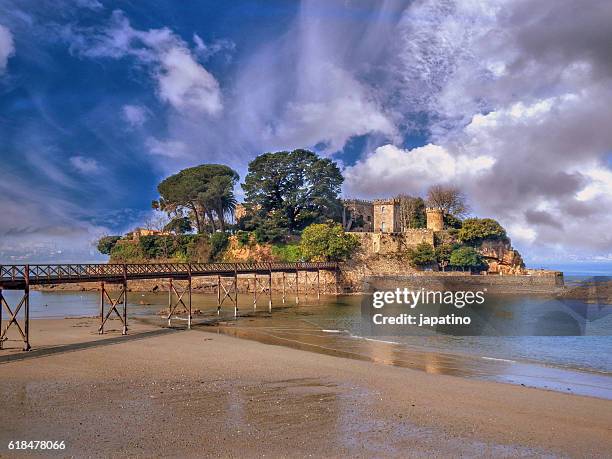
pixel 17 276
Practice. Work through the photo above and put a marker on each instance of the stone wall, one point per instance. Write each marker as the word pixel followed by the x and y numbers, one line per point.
pixel 549 284
pixel 392 243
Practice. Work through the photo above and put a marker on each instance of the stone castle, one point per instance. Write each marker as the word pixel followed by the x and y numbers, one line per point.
pixel 378 225
pixel 379 228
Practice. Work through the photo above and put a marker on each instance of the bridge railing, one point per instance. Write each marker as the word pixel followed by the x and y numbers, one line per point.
pixel 99 271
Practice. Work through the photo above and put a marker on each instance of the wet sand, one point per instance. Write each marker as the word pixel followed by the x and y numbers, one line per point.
pixel 196 393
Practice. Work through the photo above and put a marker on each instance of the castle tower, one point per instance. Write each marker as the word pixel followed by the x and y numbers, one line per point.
pixel 435 219
pixel 386 216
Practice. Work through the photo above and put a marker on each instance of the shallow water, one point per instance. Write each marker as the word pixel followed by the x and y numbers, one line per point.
pixel 334 325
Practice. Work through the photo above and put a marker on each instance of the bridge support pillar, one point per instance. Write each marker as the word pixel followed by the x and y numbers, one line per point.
pixel 297 286
pixel 270 290
pixel 283 287
pixel 24 328
pixel 227 289
pixel 114 303
pixel 174 292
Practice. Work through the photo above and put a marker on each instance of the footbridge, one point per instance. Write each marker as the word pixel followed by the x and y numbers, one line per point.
pixel 179 275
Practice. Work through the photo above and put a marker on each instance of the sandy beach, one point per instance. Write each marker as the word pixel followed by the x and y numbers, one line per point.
pixel 161 392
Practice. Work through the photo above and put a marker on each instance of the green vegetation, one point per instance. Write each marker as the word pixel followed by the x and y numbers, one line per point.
pixel 106 244
pixel 475 230
pixel 443 253
pixel 218 243
pixel 467 257
pixel 289 253
pixel 178 225
pixel 327 242
pixel 243 238
pixel 205 193
pixel 126 252
pixel 422 255
pixel 287 191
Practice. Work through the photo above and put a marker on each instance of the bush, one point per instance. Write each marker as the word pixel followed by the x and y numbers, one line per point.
pixel 475 230
pixel 218 243
pixel 198 249
pixel 243 238
pixel 422 255
pixel 126 252
pixel 106 244
pixel 467 257
pixel 443 253
pixel 327 242
pixel 289 253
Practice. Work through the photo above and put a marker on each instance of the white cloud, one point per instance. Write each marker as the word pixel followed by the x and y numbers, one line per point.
pixel 391 170
pixel 7 47
pixel 181 81
pixel 135 115
pixel 85 165
pixel 185 84
pixel 166 148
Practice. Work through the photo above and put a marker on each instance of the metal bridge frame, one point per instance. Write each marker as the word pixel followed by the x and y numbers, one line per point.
pixel 22 277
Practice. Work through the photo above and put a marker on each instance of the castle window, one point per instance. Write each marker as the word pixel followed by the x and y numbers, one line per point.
pixel 382 210
pixel 369 218
pixel 382 226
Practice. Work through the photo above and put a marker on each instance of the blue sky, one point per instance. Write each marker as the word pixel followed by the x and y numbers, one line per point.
pixel 99 100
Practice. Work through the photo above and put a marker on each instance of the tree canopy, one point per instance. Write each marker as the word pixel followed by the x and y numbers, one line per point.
pixel 327 242
pixel 466 257
pixel 296 187
pixel 205 192
pixel 421 255
pixel 106 244
pixel 475 230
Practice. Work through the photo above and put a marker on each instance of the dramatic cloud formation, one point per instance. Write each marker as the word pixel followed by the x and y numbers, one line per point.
pixel 527 86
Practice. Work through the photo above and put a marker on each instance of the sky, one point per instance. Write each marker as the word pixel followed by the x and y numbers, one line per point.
pixel 509 100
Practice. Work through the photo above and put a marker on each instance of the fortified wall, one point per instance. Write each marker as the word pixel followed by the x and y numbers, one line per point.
pixel 393 243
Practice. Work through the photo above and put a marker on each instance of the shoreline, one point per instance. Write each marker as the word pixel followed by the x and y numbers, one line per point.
pixel 226 396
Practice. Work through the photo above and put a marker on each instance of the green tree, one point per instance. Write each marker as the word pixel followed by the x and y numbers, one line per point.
pixel 467 257
pixel 475 230
pixel 421 255
pixel 203 191
pixel 218 243
pixel 443 253
pixel 299 187
pixel 327 242
pixel 126 252
pixel 106 244
pixel 178 225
